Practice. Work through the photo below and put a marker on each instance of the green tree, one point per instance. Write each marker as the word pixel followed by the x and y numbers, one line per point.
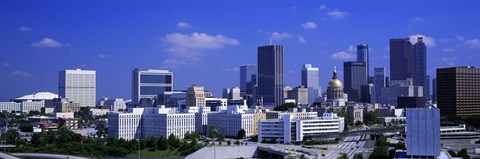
pixel 212 131
pixel 187 135
pixel 12 136
pixel 237 142
pixel 229 143
pixel 358 123
pixel 358 156
pixel 143 143
pixel 273 141
pixel 370 118
pixel 343 156
pixel 285 107
pixel 26 128
pixel 241 134
pixel 162 143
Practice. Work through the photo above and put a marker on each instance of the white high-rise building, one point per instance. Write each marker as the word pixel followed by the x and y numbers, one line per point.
pixel 310 80
pixel 125 125
pixel 230 121
pixel 288 129
pixel 165 121
pixel 78 86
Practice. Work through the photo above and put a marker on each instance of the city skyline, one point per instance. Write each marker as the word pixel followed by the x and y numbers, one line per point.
pixel 36 39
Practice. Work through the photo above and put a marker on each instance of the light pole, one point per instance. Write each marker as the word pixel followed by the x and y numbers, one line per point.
pixel 214 149
pixel 138 143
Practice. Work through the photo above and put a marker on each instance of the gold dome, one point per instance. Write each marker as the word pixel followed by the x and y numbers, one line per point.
pixel 335 83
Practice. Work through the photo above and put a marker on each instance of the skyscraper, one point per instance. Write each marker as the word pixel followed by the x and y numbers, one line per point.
pixel 78 86
pixel 401 59
pixel 150 85
pixel 311 82
pixel 246 72
pixel 354 79
pixel 362 56
pixel 270 75
pixel 379 82
pixel 434 90
pixel 457 91
pixel 419 51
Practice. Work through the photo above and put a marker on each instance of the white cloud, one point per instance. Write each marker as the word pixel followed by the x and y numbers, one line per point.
pixel 449 59
pixel 338 15
pixel 183 25
pixel 429 41
pixel 418 19
pixel 472 43
pixel 280 36
pixel 351 48
pixel 448 50
pixel 233 69
pixel 47 43
pixel 186 48
pixel 6 64
pixel 309 25
pixel 102 56
pixel 20 74
pixel 301 39
pixel 25 29
pixel 342 55
pixel 198 41
pixel 323 7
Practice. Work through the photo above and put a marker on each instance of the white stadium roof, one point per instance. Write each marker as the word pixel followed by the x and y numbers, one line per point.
pixel 39 96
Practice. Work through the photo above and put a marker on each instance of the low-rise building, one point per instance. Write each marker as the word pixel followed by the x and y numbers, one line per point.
pixel 229 122
pixel 10 107
pixel 64 115
pixel 98 112
pixel 64 105
pixel 289 129
pixel 297 114
pixel 165 121
pixel 201 120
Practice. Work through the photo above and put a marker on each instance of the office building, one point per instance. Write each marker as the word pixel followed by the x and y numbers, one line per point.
pixel 228 122
pixel 434 90
pixel 300 95
pixel 126 125
pixel 148 85
pixel 163 121
pixel 363 56
pixel 410 102
pixel 78 86
pixel 310 79
pixel 402 63
pixel 423 132
pixel 391 94
pixel 195 96
pixel 66 105
pixel 288 129
pixel 355 114
pixel 117 104
pixel 458 90
pixel 201 120
pixel 231 93
pixel 216 104
pixel 368 92
pixel 354 78
pixel 246 73
pixel 419 51
pixel 10 107
pixel 379 82
pixel 297 114
pixel 270 75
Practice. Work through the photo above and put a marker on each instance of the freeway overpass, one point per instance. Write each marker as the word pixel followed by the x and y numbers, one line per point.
pixel 373 131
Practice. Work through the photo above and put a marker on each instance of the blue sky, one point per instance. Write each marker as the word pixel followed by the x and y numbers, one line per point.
pixel 205 42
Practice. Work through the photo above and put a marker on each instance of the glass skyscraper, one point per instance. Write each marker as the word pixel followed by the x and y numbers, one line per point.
pixel 354 79
pixel 379 82
pixel 402 64
pixel 270 75
pixel 311 82
pixel 149 84
pixel 78 86
pixel 420 77
pixel 246 72
pixel 362 56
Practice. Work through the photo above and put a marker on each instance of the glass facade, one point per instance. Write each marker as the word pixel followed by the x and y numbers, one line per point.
pixel 156 79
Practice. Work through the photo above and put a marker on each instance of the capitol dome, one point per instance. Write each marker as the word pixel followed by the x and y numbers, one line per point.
pixel 335 82
pixel 39 96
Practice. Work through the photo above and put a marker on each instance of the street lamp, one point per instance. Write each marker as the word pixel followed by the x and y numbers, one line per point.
pixel 214 149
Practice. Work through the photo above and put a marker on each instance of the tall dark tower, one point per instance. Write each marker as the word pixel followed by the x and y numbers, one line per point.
pixel 419 51
pixel 402 63
pixel 354 78
pixel 270 75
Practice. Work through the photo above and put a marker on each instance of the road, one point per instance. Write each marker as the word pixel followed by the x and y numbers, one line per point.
pixel 351 145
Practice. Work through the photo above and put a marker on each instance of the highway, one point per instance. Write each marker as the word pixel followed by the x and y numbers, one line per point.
pixel 351 145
